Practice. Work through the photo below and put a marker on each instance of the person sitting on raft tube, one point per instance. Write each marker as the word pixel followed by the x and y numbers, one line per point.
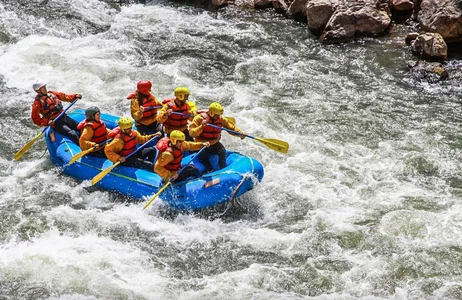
pixel 47 106
pixel 141 108
pixel 203 133
pixel 124 141
pixel 170 155
pixel 178 104
pixel 93 131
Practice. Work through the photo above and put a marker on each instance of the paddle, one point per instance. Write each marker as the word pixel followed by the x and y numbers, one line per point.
pixel 191 105
pixel 273 144
pixel 85 152
pixel 103 173
pixel 170 181
pixel 26 147
pixel 230 119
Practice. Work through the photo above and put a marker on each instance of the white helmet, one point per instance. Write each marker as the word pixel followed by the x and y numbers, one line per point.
pixel 36 86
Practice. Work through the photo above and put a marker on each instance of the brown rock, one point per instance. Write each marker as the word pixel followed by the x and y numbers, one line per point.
pixel 442 16
pixel 430 46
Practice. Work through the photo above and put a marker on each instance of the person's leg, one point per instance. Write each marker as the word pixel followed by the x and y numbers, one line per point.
pixel 71 123
pixel 188 136
pixel 149 153
pixel 139 163
pixel 143 129
pixel 159 128
pixel 204 158
pixel 63 128
pixel 189 171
pixel 221 151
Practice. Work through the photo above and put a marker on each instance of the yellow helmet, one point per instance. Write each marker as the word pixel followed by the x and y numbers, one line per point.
pixel 125 123
pixel 181 92
pixel 215 108
pixel 176 135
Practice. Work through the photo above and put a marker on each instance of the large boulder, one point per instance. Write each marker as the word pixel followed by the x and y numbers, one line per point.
pixel 430 46
pixel 318 14
pixel 356 18
pixel 442 16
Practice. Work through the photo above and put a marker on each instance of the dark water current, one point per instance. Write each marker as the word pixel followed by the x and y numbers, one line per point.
pixel 366 205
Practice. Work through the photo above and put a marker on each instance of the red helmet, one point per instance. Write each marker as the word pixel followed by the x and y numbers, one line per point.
pixel 144 86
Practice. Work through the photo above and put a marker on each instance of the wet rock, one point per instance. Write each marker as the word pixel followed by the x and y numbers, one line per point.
pixel 358 18
pixel 281 6
pixel 430 46
pixel 402 5
pixel 297 10
pixel 434 72
pixel 411 37
pixel 444 17
pixel 319 13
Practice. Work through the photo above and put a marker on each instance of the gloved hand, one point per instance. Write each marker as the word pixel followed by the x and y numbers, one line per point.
pixel 78 96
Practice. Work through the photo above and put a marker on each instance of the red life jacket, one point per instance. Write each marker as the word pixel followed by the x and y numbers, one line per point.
pixel 150 101
pixel 164 145
pixel 99 130
pixel 130 141
pixel 50 105
pixel 174 120
pixel 209 132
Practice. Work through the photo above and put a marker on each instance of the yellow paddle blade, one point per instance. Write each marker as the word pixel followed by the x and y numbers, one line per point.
pixel 26 147
pixel 192 105
pixel 79 155
pixel 103 173
pixel 274 144
pixel 157 194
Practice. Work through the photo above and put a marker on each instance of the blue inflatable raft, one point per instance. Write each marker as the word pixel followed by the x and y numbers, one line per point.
pixel 241 174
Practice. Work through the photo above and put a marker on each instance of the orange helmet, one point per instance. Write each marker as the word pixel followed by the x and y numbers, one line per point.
pixel 144 86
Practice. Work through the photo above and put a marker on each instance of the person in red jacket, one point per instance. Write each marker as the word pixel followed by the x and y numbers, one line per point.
pixel 178 104
pixel 125 141
pixel 201 132
pixel 171 151
pixel 47 106
pixel 93 132
pixel 142 108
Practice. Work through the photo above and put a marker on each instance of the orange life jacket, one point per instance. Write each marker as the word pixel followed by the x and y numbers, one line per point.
pixel 174 120
pixel 150 101
pixel 99 130
pixel 163 145
pixel 130 141
pixel 209 132
pixel 50 105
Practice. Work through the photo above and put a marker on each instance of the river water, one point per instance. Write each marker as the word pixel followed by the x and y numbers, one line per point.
pixel 366 205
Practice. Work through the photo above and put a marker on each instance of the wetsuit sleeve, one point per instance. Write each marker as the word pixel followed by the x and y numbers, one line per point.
pixel 195 128
pixel 161 115
pixel 85 138
pixel 113 148
pixel 161 162
pixel 135 110
pixel 64 97
pixel 141 139
pixel 35 115
pixel 192 145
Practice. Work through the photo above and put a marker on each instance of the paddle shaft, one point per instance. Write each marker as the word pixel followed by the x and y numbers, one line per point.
pixel 230 119
pixel 106 171
pixel 192 105
pixel 171 180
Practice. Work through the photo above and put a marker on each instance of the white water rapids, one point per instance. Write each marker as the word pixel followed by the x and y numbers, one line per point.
pixel 366 204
